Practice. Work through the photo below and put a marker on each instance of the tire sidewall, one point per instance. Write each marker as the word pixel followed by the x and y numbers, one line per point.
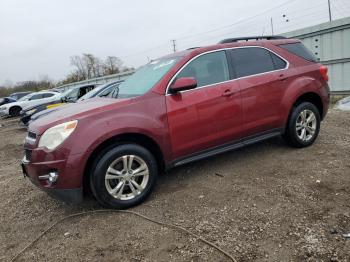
pixel 292 124
pixel 15 111
pixel 97 180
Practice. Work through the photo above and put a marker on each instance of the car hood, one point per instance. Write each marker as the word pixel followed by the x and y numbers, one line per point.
pixel 75 111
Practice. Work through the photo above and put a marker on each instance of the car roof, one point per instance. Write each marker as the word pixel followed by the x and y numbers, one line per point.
pixel 45 91
pixel 84 85
pixel 231 43
pixel 17 93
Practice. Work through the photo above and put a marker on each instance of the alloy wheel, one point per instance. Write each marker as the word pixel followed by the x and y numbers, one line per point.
pixel 306 125
pixel 127 177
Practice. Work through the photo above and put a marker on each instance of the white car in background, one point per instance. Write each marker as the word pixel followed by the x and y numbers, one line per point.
pixel 14 109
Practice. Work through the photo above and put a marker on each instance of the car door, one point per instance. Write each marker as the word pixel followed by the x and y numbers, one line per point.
pixel 38 99
pixel 263 79
pixel 209 115
pixel 50 97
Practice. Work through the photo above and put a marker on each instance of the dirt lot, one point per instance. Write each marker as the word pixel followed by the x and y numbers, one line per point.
pixel 266 202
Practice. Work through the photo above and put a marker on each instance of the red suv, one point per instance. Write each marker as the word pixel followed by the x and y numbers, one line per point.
pixel 177 109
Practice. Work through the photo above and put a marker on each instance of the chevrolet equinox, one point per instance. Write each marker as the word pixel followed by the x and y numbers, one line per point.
pixel 180 108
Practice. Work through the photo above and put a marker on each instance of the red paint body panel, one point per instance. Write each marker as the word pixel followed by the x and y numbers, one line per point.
pixel 203 118
pixel 181 124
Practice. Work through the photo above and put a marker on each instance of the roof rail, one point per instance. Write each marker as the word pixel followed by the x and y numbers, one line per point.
pixel 191 48
pixel 232 40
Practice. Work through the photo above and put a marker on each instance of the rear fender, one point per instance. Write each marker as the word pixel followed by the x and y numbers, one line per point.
pixel 296 89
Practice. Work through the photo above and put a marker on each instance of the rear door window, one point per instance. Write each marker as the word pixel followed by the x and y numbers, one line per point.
pixel 253 60
pixel 37 96
pixel 46 95
pixel 207 69
pixel 300 50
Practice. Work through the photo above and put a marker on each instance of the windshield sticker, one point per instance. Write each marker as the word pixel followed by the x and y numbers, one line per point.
pixel 166 63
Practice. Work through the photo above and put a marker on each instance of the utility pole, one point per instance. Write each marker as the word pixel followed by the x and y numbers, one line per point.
pixel 272 31
pixel 174 45
pixel 329 10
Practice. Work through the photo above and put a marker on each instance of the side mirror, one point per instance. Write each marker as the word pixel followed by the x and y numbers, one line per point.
pixel 182 84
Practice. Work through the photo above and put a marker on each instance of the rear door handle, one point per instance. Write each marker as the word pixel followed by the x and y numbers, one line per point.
pixel 227 92
pixel 282 77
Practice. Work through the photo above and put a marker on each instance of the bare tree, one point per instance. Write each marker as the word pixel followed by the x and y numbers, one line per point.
pixel 80 71
pixel 112 65
pixel 89 66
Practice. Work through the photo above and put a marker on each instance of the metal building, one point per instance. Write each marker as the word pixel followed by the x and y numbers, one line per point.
pixel 330 43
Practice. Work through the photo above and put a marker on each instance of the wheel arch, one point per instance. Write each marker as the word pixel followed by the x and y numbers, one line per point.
pixel 311 97
pixel 13 107
pixel 135 138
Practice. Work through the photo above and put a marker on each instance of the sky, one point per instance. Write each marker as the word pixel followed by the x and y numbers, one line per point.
pixel 38 37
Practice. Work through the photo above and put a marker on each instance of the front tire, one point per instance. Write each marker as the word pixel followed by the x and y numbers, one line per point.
pixel 15 111
pixel 303 126
pixel 124 176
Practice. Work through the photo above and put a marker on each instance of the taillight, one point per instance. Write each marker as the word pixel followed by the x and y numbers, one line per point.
pixel 324 73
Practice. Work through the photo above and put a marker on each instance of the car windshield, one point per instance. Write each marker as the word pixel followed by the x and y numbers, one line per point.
pixel 146 77
pixel 70 94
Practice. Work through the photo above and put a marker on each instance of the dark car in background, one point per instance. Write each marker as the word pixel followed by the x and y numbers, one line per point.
pixel 72 95
pixel 102 91
pixel 69 96
pixel 6 100
pixel 19 95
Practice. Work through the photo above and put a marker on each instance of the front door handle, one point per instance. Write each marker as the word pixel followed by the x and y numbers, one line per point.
pixel 227 92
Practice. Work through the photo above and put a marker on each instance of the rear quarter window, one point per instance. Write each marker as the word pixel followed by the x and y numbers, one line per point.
pixel 300 50
pixel 278 62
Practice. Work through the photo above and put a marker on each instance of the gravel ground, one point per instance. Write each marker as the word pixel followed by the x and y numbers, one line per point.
pixel 265 202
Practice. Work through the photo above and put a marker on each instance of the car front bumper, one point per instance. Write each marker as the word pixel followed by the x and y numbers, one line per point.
pixel 37 166
pixel 3 113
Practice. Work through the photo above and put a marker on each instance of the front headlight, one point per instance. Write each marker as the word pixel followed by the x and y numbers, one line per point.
pixel 3 108
pixel 56 135
pixel 31 112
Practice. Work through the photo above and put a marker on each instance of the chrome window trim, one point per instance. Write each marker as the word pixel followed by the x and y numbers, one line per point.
pixel 167 93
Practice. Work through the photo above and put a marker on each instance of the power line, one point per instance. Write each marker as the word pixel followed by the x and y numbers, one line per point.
pixel 244 20
pixel 237 22
pixel 299 12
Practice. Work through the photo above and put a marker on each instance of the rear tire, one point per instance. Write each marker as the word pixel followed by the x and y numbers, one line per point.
pixel 123 176
pixel 303 126
pixel 15 111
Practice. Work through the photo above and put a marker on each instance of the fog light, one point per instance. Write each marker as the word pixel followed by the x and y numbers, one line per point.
pixel 51 177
